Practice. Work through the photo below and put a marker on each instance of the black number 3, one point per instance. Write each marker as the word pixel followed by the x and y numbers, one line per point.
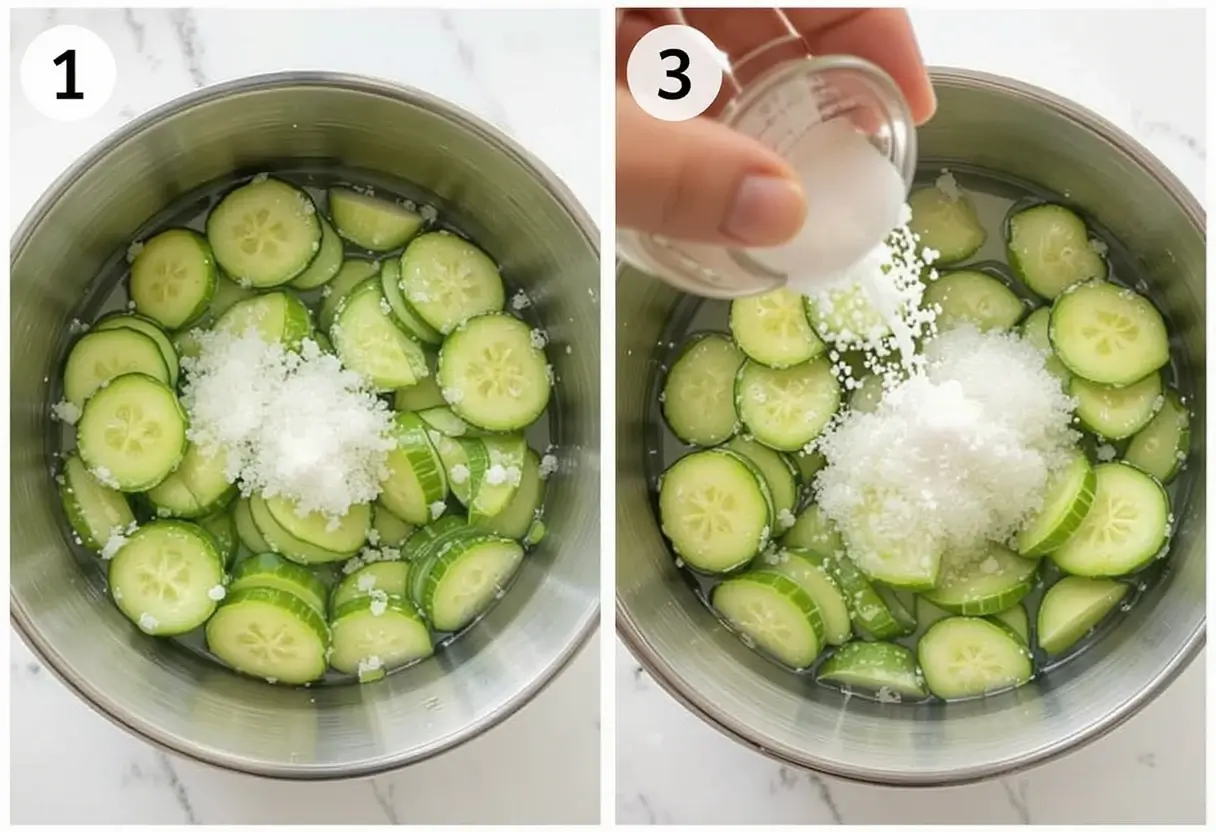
pixel 71 93
pixel 678 73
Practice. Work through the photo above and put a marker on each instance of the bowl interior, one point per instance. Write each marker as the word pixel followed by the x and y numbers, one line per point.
pixel 482 184
pixel 998 125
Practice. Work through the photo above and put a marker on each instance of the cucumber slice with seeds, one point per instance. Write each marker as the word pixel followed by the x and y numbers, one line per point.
pixel 1049 248
pixel 772 612
pixel 786 409
pixel 1066 501
pixel 174 277
pixel 270 634
pixel 94 511
pixel 347 536
pixel 132 433
pixel 466 578
pixel 493 374
pixel 1161 447
pixel 280 540
pixel 876 666
pixel 197 487
pixel 448 280
pixel 275 572
pixel 374 635
pixel 368 340
pixel 1072 607
pixel 697 398
pixel 715 508
pixel 264 233
pixel 149 327
pixel 962 657
pixel 100 357
pixel 779 474
pixel 1126 527
pixel 945 221
pixel 845 317
pixel 971 297
pixel 371 222
pixel 353 273
pixel 416 484
pixel 885 552
pixel 772 329
pixel 1108 334
pixel 276 317
pixel 407 318
pixel 812 571
pixel 327 262
pixel 1117 412
pixel 167 577
pixel 983 582
pixel 390 577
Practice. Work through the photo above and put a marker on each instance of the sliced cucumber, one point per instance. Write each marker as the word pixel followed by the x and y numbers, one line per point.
pixel 1108 334
pixel 1161 447
pixel 370 222
pixel 173 277
pixel 390 577
pixel 149 327
pixel 983 582
pixel 378 634
pixel 945 222
pixel 867 395
pixel 275 572
pixel 227 294
pixel 1034 329
pixel 715 508
pixel 890 556
pixel 327 262
pixel 786 409
pixel 772 612
pixel 493 374
pixel 264 233
pixel 1072 607
pixel 697 398
pixel 464 463
pixel 406 317
pixel 1016 619
pixel 466 578
pixel 416 484
pixel 962 657
pixel 390 529
pixel 95 512
pixel 222 526
pixel 846 317
pixel 517 519
pixel 423 395
pixel 1117 412
pixel 423 539
pixel 813 572
pixel 100 357
pixel 1126 527
pixel 814 530
pixel 448 280
pixel 132 433
pixel 779 474
pixel 197 487
pixel 368 340
pixel 347 535
pixel 444 420
pixel 503 475
pixel 974 298
pixel 809 464
pixel 871 616
pixel 270 634
pixel 1066 501
pixel 247 530
pixel 902 609
pixel 353 273
pixel 167 577
pixel 280 540
pixel 876 666
pixel 772 329
pixel 1049 248
pixel 276 317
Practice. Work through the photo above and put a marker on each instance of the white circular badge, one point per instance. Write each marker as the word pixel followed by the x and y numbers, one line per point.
pixel 674 72
pixel 68 73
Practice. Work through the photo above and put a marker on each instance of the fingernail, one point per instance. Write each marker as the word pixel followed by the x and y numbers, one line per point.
pixel 767 210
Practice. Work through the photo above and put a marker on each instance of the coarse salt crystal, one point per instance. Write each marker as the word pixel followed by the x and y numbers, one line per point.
pixel 459 473
pixel 66 412
pixel 548 464
pixel 148 623
pixel 217 593
pixel 437 509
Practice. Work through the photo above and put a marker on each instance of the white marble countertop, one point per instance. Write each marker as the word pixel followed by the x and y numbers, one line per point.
pixel 509 68
pixel 673 768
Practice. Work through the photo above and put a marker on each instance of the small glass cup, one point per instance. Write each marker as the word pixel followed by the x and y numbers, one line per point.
pixel 778 107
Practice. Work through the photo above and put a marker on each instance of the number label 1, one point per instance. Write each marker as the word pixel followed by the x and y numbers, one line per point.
pixel 68 57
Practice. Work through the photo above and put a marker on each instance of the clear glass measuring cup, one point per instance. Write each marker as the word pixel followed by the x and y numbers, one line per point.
pixel 778 106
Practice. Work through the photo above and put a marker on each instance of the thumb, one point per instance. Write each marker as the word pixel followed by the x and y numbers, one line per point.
pixel 701 181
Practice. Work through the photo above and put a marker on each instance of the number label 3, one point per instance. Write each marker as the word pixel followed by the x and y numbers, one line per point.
pixel 68 73
pixel 674 73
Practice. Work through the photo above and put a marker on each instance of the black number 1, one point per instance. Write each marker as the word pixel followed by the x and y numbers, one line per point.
pixel 678 73
pixel 71 93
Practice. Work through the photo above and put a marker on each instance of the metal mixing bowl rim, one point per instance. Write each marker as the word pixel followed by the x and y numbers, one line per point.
pixel 661 671
pixel 124 716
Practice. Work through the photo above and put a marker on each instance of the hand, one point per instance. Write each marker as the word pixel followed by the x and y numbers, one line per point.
pixel 699 180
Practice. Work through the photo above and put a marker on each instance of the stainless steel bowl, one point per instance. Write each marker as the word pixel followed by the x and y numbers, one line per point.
pixel 543 239
pixel 1004 126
